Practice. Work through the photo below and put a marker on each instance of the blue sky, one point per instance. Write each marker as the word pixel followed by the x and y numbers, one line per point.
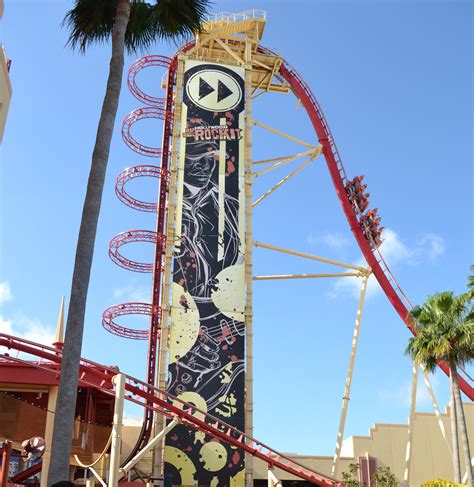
pixel 394 80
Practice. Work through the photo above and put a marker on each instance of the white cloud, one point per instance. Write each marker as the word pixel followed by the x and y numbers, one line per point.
pixel 5 292
pixel 395 252
pixel 433 244
pixel 428 246
pixel 393 249
pixel 34 330
pixel 133 293
pixel 352 285
pixel 27 328
pixel 24 327
pixel 332 240
pixel 5 326
pixel 132 421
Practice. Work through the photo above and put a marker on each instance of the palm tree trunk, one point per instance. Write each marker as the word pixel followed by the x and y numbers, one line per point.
pixel 454 426
pixel 462 426
pixel 67 393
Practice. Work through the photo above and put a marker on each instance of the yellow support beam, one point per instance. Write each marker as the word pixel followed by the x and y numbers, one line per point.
pixel 363 270
pixel 283 134
pixel 305 276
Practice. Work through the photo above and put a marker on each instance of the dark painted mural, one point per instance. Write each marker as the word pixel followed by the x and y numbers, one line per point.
pixel 207 334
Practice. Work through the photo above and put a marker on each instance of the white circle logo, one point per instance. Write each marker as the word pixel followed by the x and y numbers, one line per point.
pixel 214 90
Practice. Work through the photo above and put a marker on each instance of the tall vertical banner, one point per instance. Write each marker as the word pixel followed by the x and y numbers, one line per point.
pixel 207 332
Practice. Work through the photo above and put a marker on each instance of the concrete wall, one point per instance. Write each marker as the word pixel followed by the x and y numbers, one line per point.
pixel 430 457
pixel 5 86
pixel 320 463
pixel 386 442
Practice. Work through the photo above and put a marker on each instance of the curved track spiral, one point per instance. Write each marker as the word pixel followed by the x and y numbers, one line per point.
pixel 162 109
pixel 153 60
pixel 124 309
pixel 130 173
pixel 132 236
pixel 370 250
pixel 134 117
pixel 339 178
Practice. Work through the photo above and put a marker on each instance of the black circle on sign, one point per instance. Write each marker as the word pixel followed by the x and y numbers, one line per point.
pixel 190 75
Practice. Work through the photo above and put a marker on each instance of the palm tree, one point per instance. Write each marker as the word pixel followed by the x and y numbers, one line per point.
pixel 133 25
pixel 470 282
pixel 446 333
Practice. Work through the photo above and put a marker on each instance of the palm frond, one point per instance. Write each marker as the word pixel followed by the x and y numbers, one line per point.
pixel 144 28
pixel 181 18
pixel 445 325
pixel 470 279
pixel 92 21
pixel 175 20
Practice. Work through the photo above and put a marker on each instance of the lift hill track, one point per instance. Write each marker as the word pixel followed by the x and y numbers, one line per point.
pixel 161 402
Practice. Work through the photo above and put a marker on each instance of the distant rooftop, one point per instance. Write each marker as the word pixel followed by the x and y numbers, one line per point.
pixel 237 17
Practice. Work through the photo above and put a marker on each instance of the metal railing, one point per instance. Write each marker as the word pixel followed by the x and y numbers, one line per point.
pixel 237 17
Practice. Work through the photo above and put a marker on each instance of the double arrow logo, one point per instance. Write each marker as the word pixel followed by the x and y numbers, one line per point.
pixel 214 89
pixel 206 89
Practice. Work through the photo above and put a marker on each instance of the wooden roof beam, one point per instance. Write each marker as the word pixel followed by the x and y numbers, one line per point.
pixel 230 51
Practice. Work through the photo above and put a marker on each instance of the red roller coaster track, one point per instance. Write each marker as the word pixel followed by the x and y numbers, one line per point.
pixel 152 60
pixel 135 116
pixel 338 174
pixel 135 172
pixel 143 393
pixel 159 401
pixel 128 237
pixel 163 109
pixel 374 258
pixel 123 309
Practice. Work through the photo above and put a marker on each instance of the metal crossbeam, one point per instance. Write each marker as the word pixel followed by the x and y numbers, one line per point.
pixel 283 181
pixel 306 276
pixel 151 444
pixel 97 476
pixel 276 159
pixel 350 372
pixel 229 51
pixel 363 270
pixel 279 132
pixel 282 161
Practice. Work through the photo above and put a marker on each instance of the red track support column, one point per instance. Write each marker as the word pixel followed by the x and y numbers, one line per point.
pixel 6 450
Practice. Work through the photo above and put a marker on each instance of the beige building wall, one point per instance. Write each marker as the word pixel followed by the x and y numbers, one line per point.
pixel 319 463
pixel 386 442
pixel 5 85
pixel 430 457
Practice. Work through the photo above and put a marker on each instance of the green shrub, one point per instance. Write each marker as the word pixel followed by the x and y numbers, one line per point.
pixel 383 477
pixel 350 478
